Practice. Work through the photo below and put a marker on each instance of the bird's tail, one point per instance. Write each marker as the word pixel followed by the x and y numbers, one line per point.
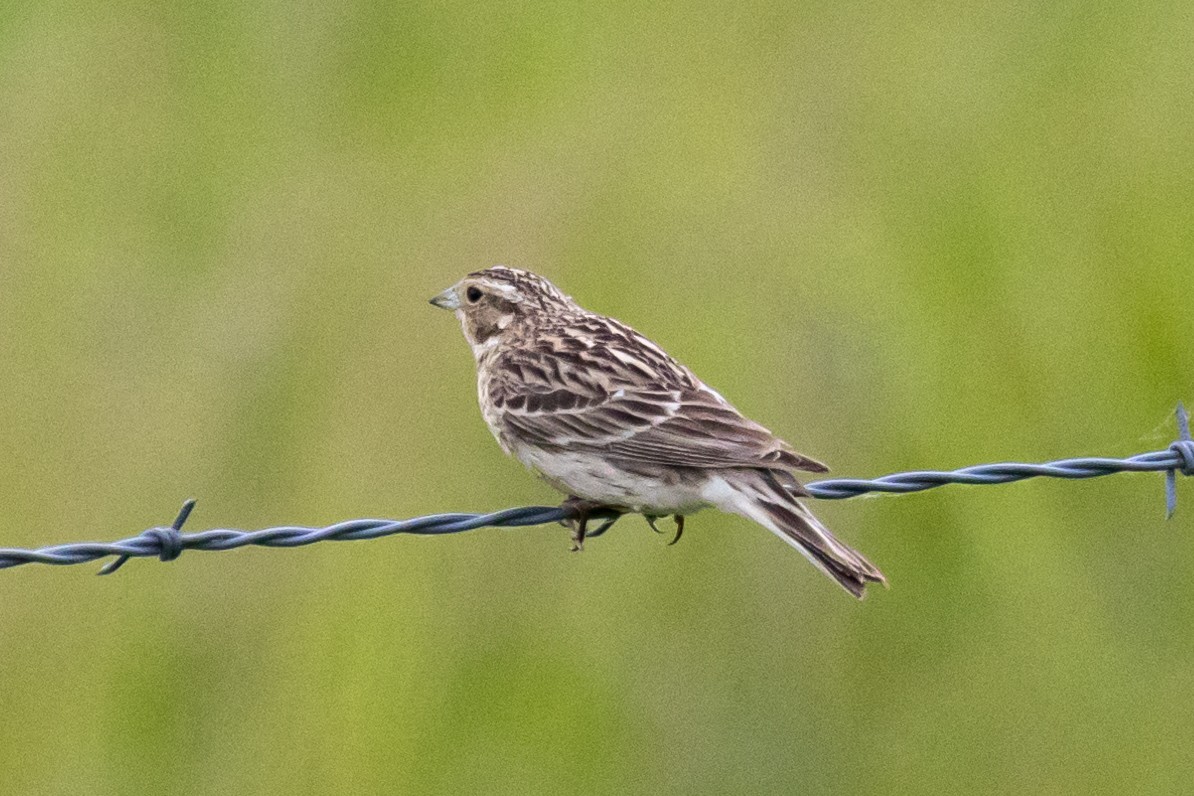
pixel 759 496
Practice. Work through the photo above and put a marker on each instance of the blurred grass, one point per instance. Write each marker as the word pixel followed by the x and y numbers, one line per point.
pixel 900 236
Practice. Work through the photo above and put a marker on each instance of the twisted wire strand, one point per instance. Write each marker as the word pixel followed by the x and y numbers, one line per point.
pixel 168 543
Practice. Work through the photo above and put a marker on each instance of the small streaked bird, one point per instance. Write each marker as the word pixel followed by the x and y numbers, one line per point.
pixel 610 419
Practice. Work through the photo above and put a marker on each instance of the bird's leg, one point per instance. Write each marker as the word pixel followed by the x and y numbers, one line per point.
pixel 651 518
pixel 679 518
pixel 578 533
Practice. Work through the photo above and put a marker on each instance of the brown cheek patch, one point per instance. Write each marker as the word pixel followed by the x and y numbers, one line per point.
pixel 481 333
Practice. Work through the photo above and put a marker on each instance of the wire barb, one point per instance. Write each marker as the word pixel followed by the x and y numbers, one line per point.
pixel 1184 448
pixel 168 540
pixel 168 544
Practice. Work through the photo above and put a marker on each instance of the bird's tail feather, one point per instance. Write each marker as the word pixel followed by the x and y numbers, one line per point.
pixel 758 495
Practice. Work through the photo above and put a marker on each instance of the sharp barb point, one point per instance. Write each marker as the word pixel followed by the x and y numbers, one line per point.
pixel 112 566
pixel 187 507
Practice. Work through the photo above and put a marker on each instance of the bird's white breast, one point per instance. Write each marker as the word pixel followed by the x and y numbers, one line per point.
pixel 594 477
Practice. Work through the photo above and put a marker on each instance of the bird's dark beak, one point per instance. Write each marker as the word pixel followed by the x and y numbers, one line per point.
pixel 448 300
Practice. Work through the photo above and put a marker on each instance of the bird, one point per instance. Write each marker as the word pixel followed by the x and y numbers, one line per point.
pixel 619 426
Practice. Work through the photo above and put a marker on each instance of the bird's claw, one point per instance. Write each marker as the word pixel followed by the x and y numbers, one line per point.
pixel 679 518
pixel 605 526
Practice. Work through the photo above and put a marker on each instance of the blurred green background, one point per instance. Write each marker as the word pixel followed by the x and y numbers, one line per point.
pixel 900 235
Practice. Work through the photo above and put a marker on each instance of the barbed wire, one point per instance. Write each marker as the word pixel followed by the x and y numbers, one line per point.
pixel 168 543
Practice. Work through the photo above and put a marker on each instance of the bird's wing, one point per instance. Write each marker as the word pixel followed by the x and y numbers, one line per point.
pixel 629 402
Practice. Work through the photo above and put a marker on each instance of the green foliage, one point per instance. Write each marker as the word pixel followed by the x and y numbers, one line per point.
pixel 901 236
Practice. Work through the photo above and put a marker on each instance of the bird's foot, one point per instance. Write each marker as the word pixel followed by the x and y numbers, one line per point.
pixel 583 510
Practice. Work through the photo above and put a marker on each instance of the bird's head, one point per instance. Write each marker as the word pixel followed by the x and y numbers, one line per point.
pixel 491 301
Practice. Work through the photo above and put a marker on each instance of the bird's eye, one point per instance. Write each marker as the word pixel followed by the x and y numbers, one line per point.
pixel 474 295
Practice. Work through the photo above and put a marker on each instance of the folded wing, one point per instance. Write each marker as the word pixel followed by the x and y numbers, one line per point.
pixel 601 404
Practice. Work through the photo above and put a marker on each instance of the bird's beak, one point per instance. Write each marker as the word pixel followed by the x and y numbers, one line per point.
pixel 448 300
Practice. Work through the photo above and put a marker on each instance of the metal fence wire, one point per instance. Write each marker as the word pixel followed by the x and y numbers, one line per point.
pixel 168 543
